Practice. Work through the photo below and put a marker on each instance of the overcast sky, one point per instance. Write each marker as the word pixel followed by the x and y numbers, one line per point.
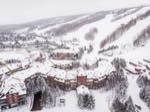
pixel 18 11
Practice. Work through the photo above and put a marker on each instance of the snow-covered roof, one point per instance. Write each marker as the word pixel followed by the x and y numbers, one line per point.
pixel 73 50
pixel 13 85
pixel 62 74
pixel 36 67
pixel 71 74
pixel 89 59
pixel 13 54
pixel 36 54
pixel 105 67
pixel 82 90
pixel 22 75
pixel 93 74
pixel 81 72
pixel 63 62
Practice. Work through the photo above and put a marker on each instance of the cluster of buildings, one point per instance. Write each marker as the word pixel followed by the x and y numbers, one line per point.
pixel 14 90
pixel 67 54
pixel 138 67
pixel 12 93
pixel 71 81
pixel 58 74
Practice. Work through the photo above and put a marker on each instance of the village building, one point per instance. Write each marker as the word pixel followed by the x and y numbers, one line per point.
pixel 136 68
pixel 38 56
pixel 69 65
pixel 71 81
pixel 35 83
pixel 66 54
pixel 90 78
pixel 89 63
pixel 12 93
pixel 65 80
pixel 40 77
pixel 81 80
pixel 82 90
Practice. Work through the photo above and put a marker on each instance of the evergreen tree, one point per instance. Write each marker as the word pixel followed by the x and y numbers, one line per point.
pixel 91 103
pixel 118 106
pixel 86 101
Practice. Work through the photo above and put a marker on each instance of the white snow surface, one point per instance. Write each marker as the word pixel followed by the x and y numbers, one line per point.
pixel 105 27
pixel 101 104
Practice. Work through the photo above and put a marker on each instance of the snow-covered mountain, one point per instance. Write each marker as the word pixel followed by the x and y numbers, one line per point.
pixel 96 38
pixel 113 27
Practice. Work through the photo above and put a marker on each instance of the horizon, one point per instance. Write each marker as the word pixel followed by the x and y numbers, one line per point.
pixel 25 11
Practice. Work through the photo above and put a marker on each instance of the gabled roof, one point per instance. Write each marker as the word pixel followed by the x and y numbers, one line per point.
pixel 12 85
pixel 82 90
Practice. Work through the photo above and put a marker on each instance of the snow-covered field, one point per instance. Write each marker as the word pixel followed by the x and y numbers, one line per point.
pixel 86 32
pixel 101 100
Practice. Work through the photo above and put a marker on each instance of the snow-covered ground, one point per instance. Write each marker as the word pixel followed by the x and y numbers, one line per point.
pixel 74 40
pixel 133 91
pixel 101 104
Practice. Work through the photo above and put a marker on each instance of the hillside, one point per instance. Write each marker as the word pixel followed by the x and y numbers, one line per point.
pixel 111 47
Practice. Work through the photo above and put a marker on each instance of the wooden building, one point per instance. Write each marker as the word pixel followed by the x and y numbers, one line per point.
pixel 68 66
pixel 12 95
pixel 12 100
pixel 66 54
pixel 81 80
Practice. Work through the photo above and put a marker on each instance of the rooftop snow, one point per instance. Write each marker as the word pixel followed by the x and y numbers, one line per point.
pixel 82 90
